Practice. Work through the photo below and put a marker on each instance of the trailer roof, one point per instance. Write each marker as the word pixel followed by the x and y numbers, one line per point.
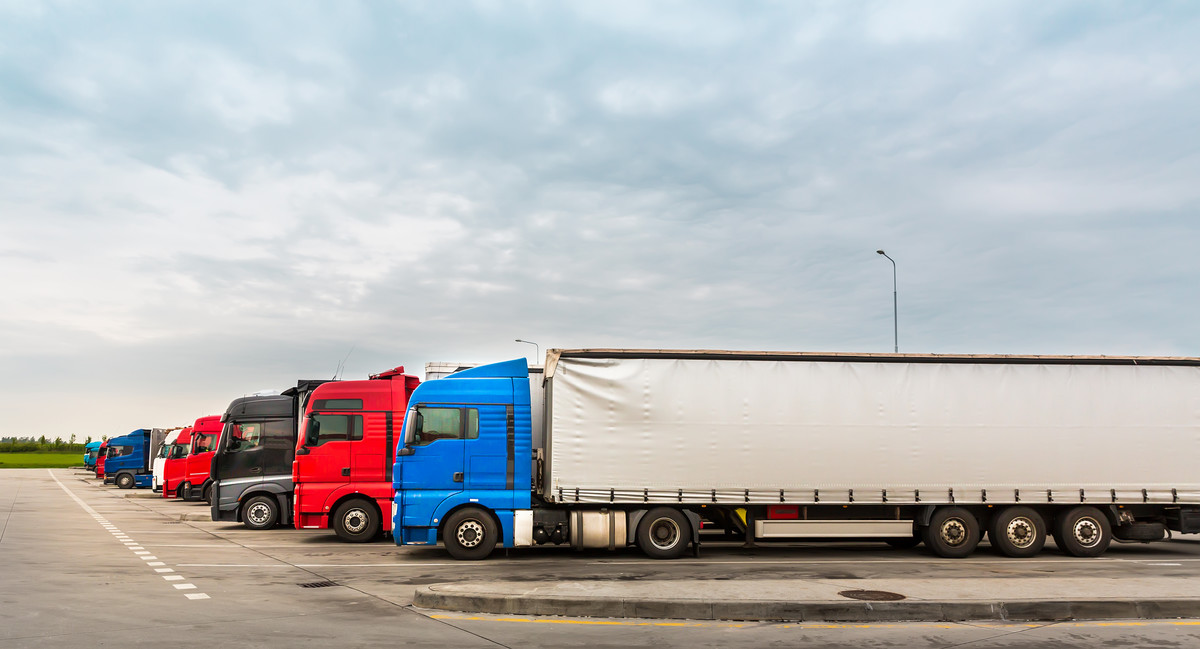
pixel 552 356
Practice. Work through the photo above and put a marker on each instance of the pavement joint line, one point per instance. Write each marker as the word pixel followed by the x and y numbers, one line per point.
pixel 129 543
pixel 1023 626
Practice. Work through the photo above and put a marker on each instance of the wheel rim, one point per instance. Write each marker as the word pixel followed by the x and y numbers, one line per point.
pixel 259 513
pixel 1087 532
pixel 664 533
pixel 469 533
pixel 355 521
pixel 953 532
pixel 1021 532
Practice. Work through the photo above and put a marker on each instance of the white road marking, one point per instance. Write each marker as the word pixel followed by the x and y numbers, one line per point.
pixel 1164 564
pixel 128 542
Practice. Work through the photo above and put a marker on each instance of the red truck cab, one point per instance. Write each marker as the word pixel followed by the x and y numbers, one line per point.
pixel 101 453
pixel 342 473
pixel 175 468
pixel 197 481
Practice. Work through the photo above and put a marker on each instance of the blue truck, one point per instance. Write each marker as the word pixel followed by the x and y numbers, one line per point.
pixel 89 454
pixel 128 462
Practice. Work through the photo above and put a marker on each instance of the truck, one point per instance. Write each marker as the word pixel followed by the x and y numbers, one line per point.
pixel 196 482
pixel 101 456
pixel 342 474
pixel 160 459
pixel 644 447
pixel 128 461
pixel 252 465
pixel 175 464
pixel 90 451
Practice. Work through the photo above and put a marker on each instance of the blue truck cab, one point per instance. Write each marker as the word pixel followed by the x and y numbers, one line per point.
pixel 128 461
pixel 90 451
pixel 464 460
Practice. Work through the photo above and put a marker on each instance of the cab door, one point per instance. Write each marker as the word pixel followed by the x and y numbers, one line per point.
pixel 433 469
pixel 327 460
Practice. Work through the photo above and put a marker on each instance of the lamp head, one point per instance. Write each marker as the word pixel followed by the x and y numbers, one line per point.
pixel 879 251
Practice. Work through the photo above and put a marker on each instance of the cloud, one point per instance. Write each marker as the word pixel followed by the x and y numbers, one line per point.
pixel 235 196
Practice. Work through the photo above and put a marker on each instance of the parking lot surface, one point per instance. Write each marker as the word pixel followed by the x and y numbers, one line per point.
pixel 83 563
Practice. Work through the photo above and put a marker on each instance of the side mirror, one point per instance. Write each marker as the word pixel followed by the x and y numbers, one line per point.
pixel 407 450
pixel 313 433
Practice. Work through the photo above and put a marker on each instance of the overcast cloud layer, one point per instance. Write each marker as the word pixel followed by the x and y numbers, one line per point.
pixel 201 201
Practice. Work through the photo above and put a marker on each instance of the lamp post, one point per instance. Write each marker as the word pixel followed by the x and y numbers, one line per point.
pixel 895 304
pixel 537 351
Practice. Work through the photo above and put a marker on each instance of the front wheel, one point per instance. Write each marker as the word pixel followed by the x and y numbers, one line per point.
pixel 356 521
pixel 208 493
pixel 184 492
pixel 124 481
pixel 260 513
pixel 664 533
pixel 953 533
pixel 470 534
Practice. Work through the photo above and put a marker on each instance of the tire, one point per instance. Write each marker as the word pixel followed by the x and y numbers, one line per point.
pixel 1083 532
pixel 953 533
pixel 208 493
pixel 356 521
pixel 470 534
pixel 260 512
pixel 1140 531
pixel 124 481
pixel 184 492
pixel 1018 532
pixel 664 533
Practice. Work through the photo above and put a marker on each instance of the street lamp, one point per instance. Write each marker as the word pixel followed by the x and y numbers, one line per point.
pixel 537 351
pixel 895 306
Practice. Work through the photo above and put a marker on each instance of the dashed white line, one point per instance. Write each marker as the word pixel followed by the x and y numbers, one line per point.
pixel 138 550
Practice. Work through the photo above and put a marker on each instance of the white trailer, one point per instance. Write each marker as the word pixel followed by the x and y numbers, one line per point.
pixel 903 447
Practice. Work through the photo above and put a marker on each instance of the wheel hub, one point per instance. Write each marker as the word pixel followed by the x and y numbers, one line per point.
pixel 954 532
pixel 1021 532
pixel 664 533
pixel 470 534
pixel 258 514
pixel 355 521
pixel 1087 531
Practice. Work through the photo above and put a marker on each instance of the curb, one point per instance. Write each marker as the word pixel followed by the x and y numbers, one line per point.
pixel 816 611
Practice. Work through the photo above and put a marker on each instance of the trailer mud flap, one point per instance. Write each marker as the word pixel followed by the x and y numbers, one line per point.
pixel 694 519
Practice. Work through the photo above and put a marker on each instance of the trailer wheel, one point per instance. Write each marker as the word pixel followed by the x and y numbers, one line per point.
pixel 953 532
pixel 1083 532
pixel 470 534
pixel 1018 532
pixel 664 533
pixel 260 512
pixel 356 521
pixel 125 481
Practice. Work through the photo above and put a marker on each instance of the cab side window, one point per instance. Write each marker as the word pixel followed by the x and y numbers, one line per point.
pixel 245 436
pixel 339 428
pixel 434 423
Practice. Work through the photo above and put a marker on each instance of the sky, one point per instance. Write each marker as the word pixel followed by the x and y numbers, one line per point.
pixel 200 201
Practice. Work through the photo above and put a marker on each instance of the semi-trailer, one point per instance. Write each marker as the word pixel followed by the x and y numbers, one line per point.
pixel 160 460
pixel 639 447
pixel 252 465
pixel 128 462
pixel 175 465
pixel 342 474
pixel 90 452
pixel 196 482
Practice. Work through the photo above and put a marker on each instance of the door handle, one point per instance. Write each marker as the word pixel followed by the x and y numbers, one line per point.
pixel 458 476
pixel 256 469
pixel 346 471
